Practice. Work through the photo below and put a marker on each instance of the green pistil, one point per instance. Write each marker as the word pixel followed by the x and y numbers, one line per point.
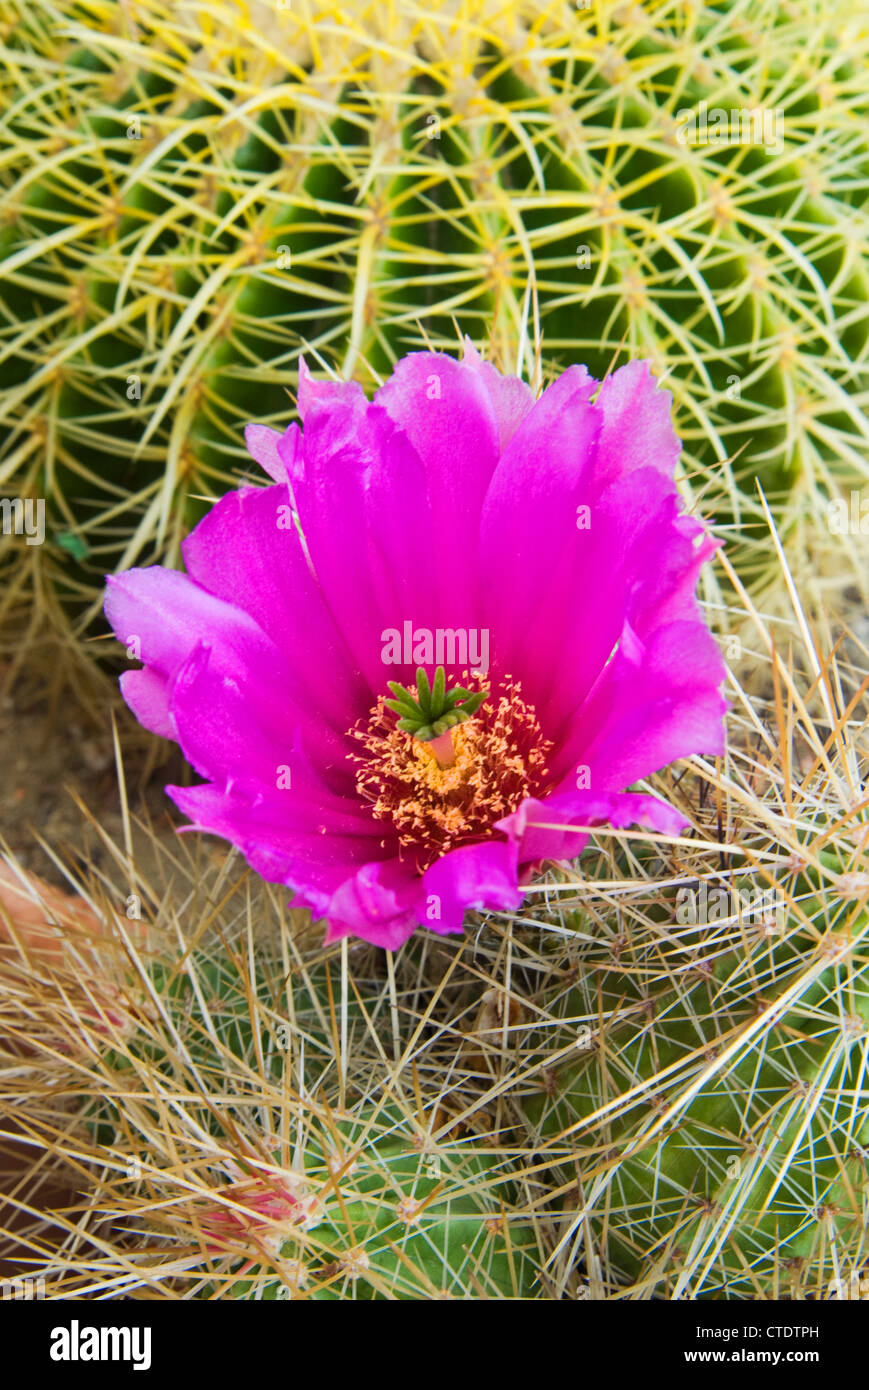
pixel 435 709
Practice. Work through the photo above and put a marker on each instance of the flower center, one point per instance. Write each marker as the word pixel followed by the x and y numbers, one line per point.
pixel 498 757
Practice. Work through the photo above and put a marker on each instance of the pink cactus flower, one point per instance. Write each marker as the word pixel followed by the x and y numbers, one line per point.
pixel 256 1210
pixel 456 628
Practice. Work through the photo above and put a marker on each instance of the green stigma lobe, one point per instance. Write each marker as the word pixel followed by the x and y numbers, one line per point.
pixel 435 709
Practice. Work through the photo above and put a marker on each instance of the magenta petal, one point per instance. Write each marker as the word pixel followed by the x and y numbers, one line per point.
pixel 637 427
pixel 262 445
pixel 446 410
pixel 229 735
pixel 166 613
pixel 162 614
pixel 621 571
pixel 224 731
pixel 665 591
pixel 655 702
pixel 147 694
pixel 364 511
pixel 314 393
pixel 619 562
pixel 537 484
pixel 280 455
pixel 248 552
pixel 541 829
pixel 511 398
pixel 291 454
pixel 313 858
pixel 379 903
pixel 532 557
pixel 474 877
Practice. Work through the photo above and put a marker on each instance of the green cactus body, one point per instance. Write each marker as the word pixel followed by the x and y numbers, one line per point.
pixel 401 1224
pixel 716 1134
pixel 372 1204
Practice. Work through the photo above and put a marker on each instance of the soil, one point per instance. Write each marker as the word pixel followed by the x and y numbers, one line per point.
pixel 58 771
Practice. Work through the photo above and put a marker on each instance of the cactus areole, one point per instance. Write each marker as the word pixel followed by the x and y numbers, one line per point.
pixel 458 624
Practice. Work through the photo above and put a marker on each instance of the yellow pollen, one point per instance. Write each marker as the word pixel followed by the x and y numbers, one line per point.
pixel 500 759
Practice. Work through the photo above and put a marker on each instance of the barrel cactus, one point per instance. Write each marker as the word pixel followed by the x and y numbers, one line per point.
pixel 716 1137
pixel 703 1104
pixel 194 195
pixel 232 1105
